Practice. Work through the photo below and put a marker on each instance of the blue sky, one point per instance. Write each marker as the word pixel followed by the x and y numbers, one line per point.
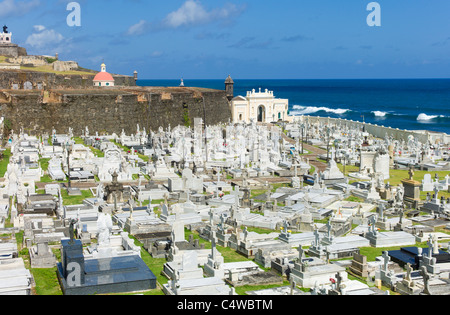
pixel 250 39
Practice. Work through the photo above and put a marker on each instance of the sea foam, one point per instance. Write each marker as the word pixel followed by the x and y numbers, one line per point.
pixel 425 117
pixel 304 110
pixel 379 113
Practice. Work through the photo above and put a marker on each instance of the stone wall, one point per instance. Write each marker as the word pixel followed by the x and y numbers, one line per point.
pixel 8 78
pixel 381 131
pixel 12 50
pixel 110 110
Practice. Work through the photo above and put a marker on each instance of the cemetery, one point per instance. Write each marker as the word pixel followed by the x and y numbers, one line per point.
pixel 230 209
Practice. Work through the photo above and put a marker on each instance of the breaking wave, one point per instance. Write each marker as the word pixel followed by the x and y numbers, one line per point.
pixel 425 117
pixel 379 113
pixel 305 110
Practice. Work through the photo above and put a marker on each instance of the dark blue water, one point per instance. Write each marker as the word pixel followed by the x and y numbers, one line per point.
pixel 422 104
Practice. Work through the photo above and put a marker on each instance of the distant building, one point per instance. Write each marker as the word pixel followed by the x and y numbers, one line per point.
pixel 229 88
pixel 259 107
pixel 103 78
pixel 7 48
pixel 5 37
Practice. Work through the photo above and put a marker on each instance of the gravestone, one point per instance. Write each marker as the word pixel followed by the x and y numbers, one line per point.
pixel 412 192
pixel 78 276
pixel 407 286
pixel 41 256
pixel 359 266
pixel 427 183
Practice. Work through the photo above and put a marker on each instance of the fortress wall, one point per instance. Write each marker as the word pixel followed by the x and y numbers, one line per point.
pixel 108 111
pixel 54 81
pixel 12 50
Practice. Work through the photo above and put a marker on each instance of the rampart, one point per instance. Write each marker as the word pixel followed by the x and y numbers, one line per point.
pixel 16 79
pixel 110 110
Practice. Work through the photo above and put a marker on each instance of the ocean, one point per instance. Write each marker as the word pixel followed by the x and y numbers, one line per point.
pixel 420 104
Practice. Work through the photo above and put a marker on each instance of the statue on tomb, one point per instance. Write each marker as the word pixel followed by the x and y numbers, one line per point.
pixel 104 228
pixel 72 230
pixel 100 191
pixel 426 280
pixel 400 194
pixel 5 29
pixel 411 173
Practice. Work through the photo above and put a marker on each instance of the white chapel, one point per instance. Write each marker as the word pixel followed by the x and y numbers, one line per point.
pixel 260 107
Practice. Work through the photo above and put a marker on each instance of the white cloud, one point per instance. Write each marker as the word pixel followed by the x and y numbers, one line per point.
pixel 14 8
pixel 138 29
pixel 191 13
pixel 47 41
pixel 39 28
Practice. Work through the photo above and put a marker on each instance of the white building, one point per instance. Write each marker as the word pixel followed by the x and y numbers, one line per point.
pixel 103 78
pixel 5 37
pixel 260 107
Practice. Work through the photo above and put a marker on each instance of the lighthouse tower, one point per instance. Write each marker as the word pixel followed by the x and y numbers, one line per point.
pixel 5 37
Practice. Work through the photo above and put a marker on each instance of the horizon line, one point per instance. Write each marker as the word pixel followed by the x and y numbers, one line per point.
pixel 318 79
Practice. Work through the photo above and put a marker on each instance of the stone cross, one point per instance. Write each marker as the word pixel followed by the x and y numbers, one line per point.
pixel 411 173
pixel 329 230
pixel 426 280
pixel 316 238
pixel 300 253
pixel 131 209
pixel 386 260
pixel 408 272
pixel 339 281
pixel 430 246
pixel 381 208
pixel 435 245
pixel 213 246
pixel 372 227
pixel 211 217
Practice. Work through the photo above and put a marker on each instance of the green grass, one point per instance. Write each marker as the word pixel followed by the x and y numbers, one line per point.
pixel 396 176
pixel 354 199
pixel 154 264
pixel 4 162
pixel 228 254
pixel 75 200
pixel 49 69
pixel 44 164
pixel 372 252
pixel 126 149
pixel 242 290
pixel 97 152
pixel 46 281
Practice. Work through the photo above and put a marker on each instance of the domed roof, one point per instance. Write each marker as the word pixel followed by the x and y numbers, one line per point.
pixel 103 76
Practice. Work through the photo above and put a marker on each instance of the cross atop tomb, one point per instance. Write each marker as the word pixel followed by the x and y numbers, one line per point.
pixel 386 260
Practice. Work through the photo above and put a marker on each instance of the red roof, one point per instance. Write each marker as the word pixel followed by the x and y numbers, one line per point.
pixel 103 76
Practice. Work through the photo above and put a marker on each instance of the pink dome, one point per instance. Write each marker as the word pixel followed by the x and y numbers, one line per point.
pixel 103 76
